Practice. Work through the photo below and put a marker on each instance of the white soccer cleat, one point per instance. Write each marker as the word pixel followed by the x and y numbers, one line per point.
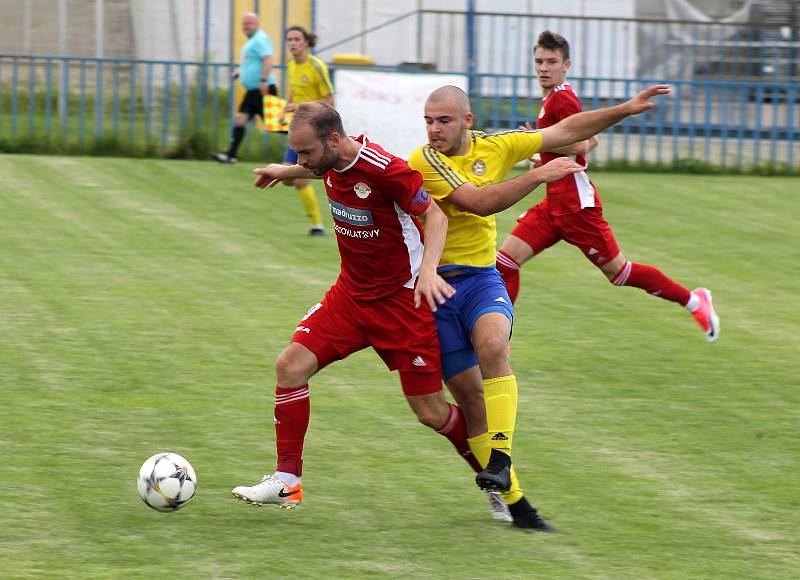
pixel 498 506
pixel 271 490
pixel 705 315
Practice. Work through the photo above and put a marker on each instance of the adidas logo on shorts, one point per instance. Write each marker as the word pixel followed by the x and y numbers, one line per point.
pixel 419 362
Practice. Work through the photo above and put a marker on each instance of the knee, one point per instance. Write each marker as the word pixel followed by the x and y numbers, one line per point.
pixel 493 351
pixel 429 418
pixel 432 413
pixel 290 371
pixel 240 119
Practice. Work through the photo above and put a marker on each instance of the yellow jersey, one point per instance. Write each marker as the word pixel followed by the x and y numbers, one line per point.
pixel 472 239
pixel 308 81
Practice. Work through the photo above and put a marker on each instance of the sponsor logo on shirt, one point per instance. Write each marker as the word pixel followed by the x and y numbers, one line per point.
pixel 361 234
pixel 362 190
pixel 351 215
pixel 479 167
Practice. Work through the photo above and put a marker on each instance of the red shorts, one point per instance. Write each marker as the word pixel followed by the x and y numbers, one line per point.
pixel 586 229
pixel 403 336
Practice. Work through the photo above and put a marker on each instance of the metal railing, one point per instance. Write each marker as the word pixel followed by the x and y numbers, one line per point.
pixel 153 105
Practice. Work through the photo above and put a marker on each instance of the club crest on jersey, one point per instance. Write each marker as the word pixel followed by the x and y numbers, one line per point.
pixel 479 167
pixel 362 190
pixel 304 79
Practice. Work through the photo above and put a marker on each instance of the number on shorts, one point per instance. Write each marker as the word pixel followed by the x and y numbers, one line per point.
pixel 312 310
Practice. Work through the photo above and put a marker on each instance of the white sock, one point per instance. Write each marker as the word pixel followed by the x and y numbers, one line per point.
pixel 694 302
pixel 289 479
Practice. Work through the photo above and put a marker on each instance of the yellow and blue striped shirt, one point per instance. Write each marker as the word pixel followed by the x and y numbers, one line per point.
pixel 472 239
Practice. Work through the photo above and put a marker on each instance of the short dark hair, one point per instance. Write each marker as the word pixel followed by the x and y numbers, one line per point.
pixel 310 37
pixel 553 41
pixel 321 117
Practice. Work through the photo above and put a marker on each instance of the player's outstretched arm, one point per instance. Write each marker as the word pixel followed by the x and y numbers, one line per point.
pixel 430 286
pixel 581 148
pixel 499 196
pixel 275 173
pixel 582 126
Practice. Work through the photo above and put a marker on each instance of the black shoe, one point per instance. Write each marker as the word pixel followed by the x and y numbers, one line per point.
pixel 526 517
pixel 222 157
pixel 497 475
pixel 316 231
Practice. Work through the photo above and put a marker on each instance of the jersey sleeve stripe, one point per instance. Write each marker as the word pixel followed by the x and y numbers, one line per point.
pixel 375 156
pixel 509 131
pixel 371 160
pixel 318 66
pixel 447 173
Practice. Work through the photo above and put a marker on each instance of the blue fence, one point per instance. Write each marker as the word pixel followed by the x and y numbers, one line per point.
pixel 155 104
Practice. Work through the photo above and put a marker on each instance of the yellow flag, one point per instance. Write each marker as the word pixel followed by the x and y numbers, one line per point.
pixel 273 107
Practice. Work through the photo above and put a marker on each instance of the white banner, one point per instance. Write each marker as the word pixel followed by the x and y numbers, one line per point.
pixel 388 107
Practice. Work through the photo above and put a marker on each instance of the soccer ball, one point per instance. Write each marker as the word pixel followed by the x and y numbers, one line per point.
pixel 166 482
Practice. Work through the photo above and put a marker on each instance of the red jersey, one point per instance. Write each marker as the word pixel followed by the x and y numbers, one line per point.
pixel 573 192
pixel 374 201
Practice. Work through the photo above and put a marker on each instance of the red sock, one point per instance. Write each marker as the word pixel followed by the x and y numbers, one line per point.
pixel 509 270
pixel 455 429
pixel 292 411
pixel 653 281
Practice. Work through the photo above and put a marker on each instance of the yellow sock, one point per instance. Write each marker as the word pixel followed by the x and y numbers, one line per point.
pixel 500 394
pixel 309 199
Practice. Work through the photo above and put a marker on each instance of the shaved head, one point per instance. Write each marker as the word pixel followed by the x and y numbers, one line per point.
pixel 249 23
pixel 451 94
pixel 448 120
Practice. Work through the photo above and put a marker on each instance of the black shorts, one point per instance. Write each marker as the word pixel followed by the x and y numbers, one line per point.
pixel 253 101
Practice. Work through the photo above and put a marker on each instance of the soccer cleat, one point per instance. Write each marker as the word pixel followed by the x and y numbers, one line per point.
pixel 526 517
pixel 497 475
pixel 270 490
pixel 498 507
pixel 316 231
pixel 705 315
pixel 223 158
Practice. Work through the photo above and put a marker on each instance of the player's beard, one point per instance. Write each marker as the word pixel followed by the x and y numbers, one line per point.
pixel 327 160
pixel 457 142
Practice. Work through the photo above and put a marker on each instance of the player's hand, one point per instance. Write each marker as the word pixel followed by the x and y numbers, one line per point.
pixel 536 162
pixel 271 175
pixel 525 127
pixel 433 289
pixel 641 102
pixel 557 168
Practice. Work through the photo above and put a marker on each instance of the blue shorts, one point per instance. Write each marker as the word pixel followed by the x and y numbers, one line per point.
pixel 290 157
pixel 478 292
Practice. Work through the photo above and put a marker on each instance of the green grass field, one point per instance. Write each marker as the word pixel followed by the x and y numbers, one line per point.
pixel 142 303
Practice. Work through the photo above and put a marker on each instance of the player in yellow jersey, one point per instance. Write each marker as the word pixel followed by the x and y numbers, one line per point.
pixel 308 81
pixel 463 171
